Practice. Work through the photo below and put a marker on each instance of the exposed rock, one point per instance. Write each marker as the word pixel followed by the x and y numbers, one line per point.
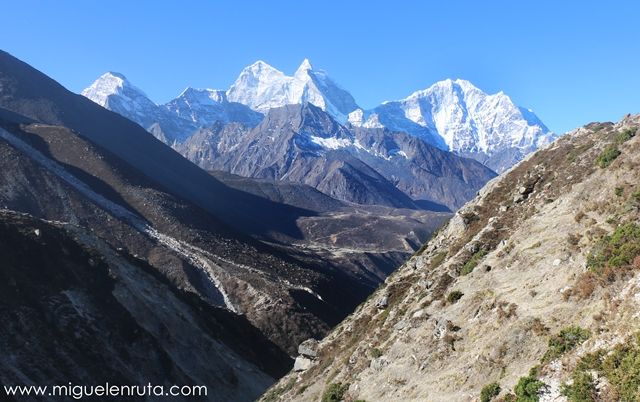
pixel 383 302
pixel 378 364
pixel 309 348
pixel 302 363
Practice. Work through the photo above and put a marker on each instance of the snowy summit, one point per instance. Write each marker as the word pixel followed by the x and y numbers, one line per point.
pixel 262 87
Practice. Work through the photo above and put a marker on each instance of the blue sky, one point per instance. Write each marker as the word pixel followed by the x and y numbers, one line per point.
pixel 572 62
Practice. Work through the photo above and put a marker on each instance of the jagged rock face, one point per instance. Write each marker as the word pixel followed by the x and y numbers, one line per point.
pixel 425 173
pixel 540 269
pixel 457 116
pixel 302 144
pixel 284 146
pixel 204 107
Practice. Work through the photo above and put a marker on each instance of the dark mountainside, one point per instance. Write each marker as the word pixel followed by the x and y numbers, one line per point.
pixel 27 92
pixel 433 178
pixel 275 150
pixel 76 310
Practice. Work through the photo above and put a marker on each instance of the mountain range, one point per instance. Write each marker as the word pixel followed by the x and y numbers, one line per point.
pixel 294 129
pixel 450 115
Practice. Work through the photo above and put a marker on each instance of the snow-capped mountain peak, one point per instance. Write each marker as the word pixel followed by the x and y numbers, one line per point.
pixel 304 69
pixel 109 84
pixel 452 114
pixel 260 72
pixel 177 119
pixel 262 87
pixel 203 96
pixel 458 116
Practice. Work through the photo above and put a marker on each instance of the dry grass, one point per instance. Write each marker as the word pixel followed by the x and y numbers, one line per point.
pixel 585 285
pixel 538 327
pixel 506 310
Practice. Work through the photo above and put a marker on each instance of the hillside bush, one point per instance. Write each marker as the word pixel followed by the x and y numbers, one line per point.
pixel 616 250
pixel 625 135
pixel 607 156
pixel 473 262
pixel 335 392
pixel 565 341
pixel 489 392
pixel 454 296
pixel 528 389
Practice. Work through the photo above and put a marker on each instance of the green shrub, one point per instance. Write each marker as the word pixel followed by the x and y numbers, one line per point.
pixel 438 259
pixel 489 392
pixel 565 341
pixel 625 135
pixel 607 156
pixel 616 250
pixel 528 389
pixel 454 296
pixel 620 366
pixel 473 262
pixel 275 393
pixel 583 388
pixel 375 353
pixel 334 392
pixel 622 369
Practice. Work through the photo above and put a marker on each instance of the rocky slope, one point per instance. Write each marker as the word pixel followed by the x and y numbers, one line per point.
pixel 529 293
pixel 76 310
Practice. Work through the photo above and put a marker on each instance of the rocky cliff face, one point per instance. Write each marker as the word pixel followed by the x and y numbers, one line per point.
pixel 529 293
pixel 303 144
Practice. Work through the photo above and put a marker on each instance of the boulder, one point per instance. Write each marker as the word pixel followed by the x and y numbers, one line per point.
pixel 382 302
pixel 309 348
pixel 301 364
pixel 378 363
